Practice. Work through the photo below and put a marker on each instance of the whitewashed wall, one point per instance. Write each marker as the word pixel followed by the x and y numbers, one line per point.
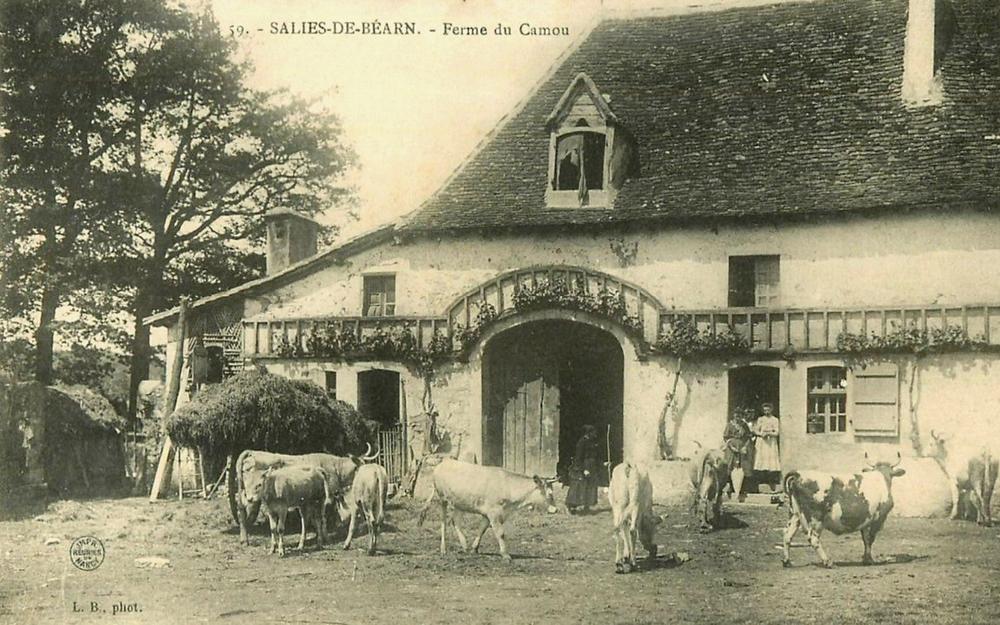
pixel 893 260
pixel 896 260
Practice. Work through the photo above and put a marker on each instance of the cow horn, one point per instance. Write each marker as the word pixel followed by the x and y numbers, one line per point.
pixel 868 463
pixel 368 456
pixel 899 457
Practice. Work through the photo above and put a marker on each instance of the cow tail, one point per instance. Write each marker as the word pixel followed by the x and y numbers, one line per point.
pixel 382 488
pixel 790 482
pixel 240 486
pixel 427 505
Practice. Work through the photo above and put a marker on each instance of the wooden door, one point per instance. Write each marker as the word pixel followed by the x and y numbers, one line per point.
pixel 525 411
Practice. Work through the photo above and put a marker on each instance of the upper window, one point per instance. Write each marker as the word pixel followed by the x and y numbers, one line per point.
pixel 580 162
pixel 754 281
pixel 330 379
pixel 590 154
pixel 380 296
pixel 827 400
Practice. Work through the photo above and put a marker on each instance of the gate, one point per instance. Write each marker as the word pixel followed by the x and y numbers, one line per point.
pixel 393 456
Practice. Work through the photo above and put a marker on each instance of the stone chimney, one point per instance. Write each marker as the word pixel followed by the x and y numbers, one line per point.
pixel 291 237
pixel 920 85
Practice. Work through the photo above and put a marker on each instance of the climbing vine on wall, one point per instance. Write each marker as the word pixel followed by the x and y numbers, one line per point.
pixel 911 340
pixel 607 303
pixel 467 336
pixel 684 340
pixel 398 344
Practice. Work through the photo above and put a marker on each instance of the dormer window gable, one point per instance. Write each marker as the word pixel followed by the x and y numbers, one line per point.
pixel 588 152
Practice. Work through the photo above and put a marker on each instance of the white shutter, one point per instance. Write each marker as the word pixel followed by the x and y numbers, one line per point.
pixel 874 409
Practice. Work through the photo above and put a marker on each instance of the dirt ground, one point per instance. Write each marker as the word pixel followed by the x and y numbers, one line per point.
pixel 934 571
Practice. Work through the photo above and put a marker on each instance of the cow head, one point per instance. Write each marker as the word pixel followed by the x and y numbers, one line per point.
pixel 544 495
pixel 887 469
pixel 252 479
pixel 941 440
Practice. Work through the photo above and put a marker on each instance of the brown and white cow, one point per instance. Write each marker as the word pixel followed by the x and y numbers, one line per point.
pixel 491 492
pixel 368 494
pixel 252 464
pixel 631 496
pixel 839 503
pixel 304 488
pixel 709 474
pixel 970 468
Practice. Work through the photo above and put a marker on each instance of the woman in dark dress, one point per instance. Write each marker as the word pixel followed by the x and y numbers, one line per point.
pixel 583 474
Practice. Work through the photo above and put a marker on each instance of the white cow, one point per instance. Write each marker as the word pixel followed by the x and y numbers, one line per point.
pixel 492 492
pixel 252 464
pixel 304 488
pixel 970 467
pixel 367 494
pixel 631 497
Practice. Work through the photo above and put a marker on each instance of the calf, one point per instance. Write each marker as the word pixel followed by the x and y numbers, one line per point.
pixel 368 492
pixel 631 496
pixel 709 475
pixel 304 488
pixel 841 504
pixel 252 464
pixel 972 469
pixel 491 492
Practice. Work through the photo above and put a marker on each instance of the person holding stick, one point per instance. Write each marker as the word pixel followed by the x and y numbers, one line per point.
pixel 583 473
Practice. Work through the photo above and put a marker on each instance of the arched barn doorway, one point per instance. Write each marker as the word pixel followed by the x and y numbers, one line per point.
pixel 542 382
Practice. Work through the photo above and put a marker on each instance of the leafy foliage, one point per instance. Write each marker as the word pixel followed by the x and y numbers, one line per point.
pixel 684 340
pixel 485 315
pixel 256 410
pixel 911 340
pixel 556 293
pixel 398 344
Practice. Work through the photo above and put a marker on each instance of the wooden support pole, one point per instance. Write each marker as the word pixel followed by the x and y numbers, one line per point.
pixel 176 369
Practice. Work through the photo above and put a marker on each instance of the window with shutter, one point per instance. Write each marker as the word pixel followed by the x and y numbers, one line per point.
pixel 380 296
pixel 754 281
pixel 826 410
pixel 875 400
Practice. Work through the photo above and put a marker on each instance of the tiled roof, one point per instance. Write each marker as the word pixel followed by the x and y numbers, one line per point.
pixel 789 109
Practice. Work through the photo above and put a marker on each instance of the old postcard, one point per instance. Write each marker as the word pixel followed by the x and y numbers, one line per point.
pixel 499 311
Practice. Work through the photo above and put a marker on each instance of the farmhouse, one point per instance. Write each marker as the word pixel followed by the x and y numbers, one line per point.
pixel 689 215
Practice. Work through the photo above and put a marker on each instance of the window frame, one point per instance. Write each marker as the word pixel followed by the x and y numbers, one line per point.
pixel 365 308
pixel 755 266
pixel 328 377
pixel 570 198
pixel 828 392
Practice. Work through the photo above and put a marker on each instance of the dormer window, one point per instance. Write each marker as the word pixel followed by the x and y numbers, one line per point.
pixel 589 155
pixel 580 161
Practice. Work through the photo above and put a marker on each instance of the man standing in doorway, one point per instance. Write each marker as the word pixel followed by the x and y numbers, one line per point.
pixel 583 473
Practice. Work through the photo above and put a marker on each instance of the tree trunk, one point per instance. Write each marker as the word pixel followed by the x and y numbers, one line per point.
pixel 44 335
pixel 139 365
pixel 146 294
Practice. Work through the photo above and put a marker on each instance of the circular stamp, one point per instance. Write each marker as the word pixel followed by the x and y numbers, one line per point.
pixel 86 553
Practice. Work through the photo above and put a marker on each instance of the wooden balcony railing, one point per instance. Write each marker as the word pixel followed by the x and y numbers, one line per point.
pixel 263 338
pixel 817 329
pixel 500 293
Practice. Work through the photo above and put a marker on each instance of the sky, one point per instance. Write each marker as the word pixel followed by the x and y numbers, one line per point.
pixel 414 107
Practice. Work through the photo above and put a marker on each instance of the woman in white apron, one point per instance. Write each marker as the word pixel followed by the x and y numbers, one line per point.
pixel 767 456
